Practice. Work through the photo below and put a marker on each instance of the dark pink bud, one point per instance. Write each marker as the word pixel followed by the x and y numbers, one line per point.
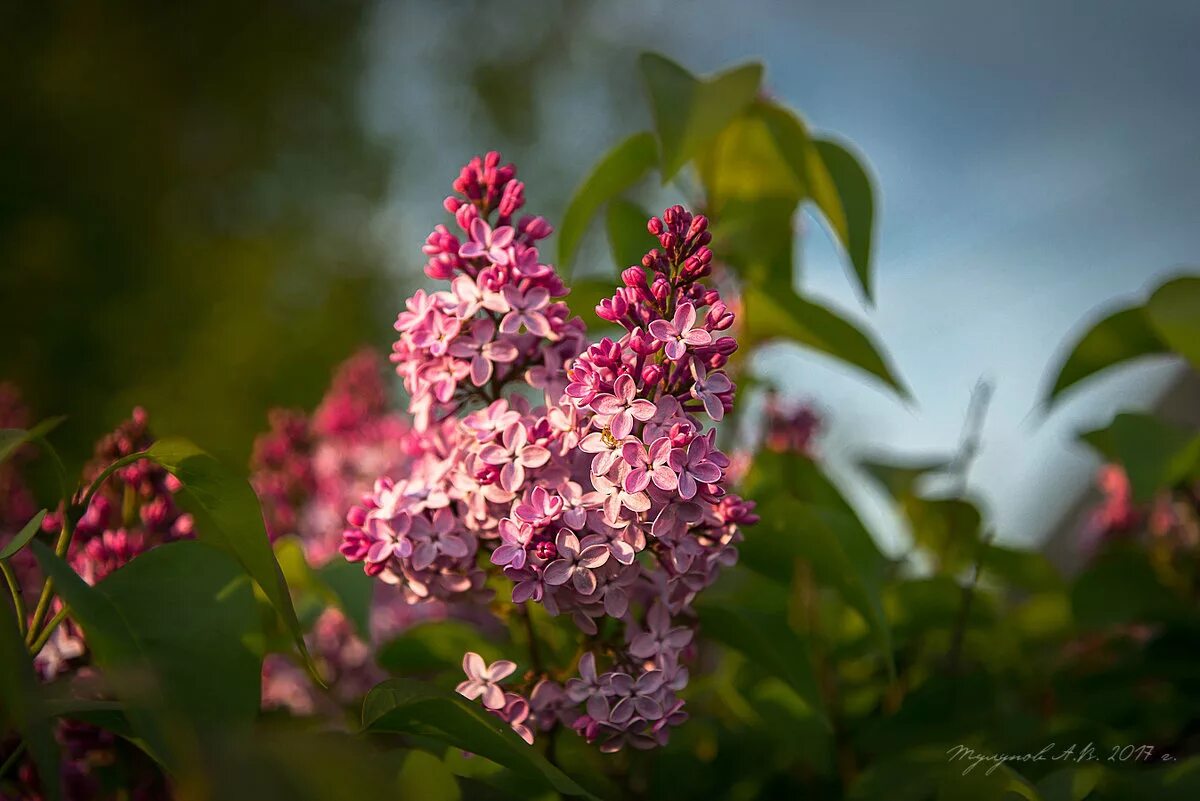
pixel 725 346
pixel 451 203
pixel 545 550
pixel 634 277
pixel 357 516
pixel 661 289
pixel 534 228
pixel 652 374
pixel 612 309
pixel 654 226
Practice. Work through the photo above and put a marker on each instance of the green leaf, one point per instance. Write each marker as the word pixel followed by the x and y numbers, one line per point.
pixel 229 516
pixel 755 237
pixel 1119 587
pixel 1119 337
pixel 434 646
pixel 945 528
pixel 760 156
pixel 768 642
pixel 21 703
pixel 619 169
pixel 689 112
pixel 627 234
pixel 11 439
pixel 173 632
pixel 426 777
pixel 782 314
pixel 841 188
pixel 1028 570
pixel 409 707
pixel 1174 313
pixel 28 532
pixel 1156 455
pixel 840 551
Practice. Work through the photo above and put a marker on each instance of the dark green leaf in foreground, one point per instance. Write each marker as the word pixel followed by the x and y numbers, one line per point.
pixel 229 516
pixel 173 632
pixel 689 111
pixel 619 169
pixel 405 706
pixel 782 314
pixel 21 705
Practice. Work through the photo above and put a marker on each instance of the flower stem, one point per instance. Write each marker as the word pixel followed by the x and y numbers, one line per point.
pixel 15 589
pixel 44 637
pixel 43 604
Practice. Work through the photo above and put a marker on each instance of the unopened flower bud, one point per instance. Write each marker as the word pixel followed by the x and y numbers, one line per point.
pixel 652 374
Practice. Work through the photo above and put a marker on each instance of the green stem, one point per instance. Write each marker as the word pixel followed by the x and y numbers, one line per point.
pixel 44 637
pixel 108 471
pixel 43 604
pixel 14 588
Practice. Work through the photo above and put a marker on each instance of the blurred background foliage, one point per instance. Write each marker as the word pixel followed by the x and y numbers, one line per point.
pixel 184 210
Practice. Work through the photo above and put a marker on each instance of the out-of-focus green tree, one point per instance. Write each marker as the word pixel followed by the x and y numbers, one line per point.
pixel 185 192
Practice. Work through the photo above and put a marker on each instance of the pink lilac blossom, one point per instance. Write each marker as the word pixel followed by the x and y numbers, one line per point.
pixel 584 474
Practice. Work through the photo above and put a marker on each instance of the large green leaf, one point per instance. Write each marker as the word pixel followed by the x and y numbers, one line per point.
pixel 174 633
pixel 760 155
pixel 1173 311
pixel 756 237
pixel 768 641
pixel 621 167
pixel 627 234
pixel 229 516
pixel 840 187
pixel 21 703
pixel 1155 454
pixel 410 707
pixel 782 314
pixel 1119 337
pixel 766 156
pixel 689 111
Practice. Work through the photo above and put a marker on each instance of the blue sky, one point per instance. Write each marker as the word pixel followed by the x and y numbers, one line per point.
pixel 1037 161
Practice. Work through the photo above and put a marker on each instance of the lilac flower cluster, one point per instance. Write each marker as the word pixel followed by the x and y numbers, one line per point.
pixel 606 498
